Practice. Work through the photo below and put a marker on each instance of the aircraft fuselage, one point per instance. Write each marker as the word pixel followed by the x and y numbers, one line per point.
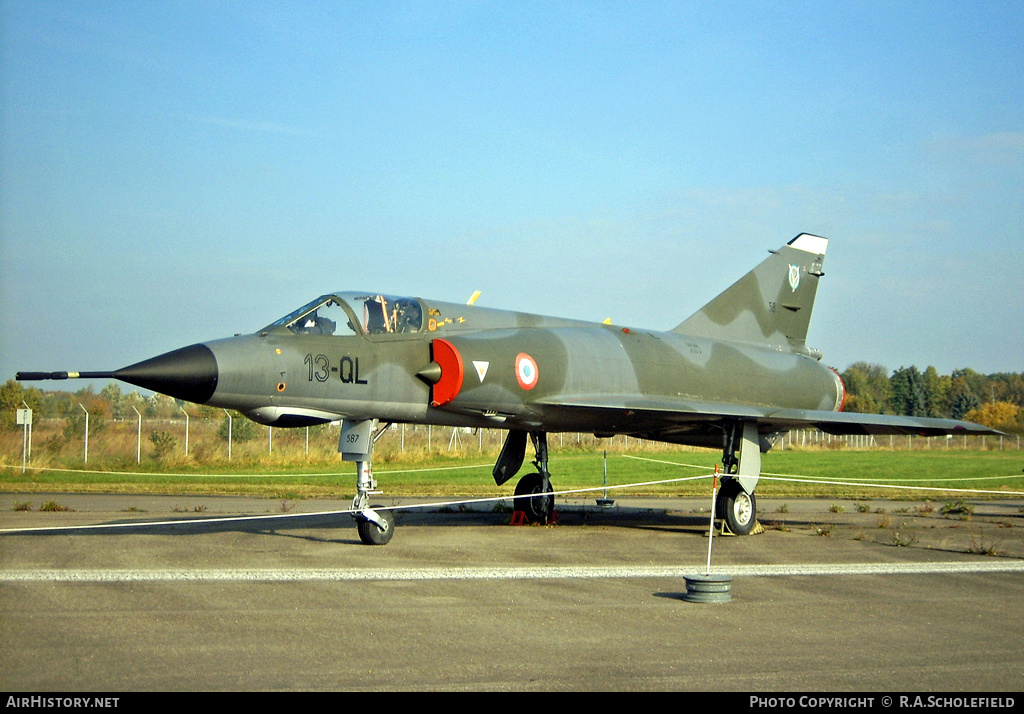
pixel 507 369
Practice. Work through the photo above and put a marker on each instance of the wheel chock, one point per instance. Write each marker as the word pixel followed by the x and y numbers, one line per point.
pixel 722 528
pixel 519 519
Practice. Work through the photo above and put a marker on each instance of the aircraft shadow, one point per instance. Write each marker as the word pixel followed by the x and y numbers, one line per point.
pixel 291 525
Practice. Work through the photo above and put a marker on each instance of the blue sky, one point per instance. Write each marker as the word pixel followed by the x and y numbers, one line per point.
pixel 177 172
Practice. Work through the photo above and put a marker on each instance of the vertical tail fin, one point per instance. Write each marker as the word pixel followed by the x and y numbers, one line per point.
pixel 769 305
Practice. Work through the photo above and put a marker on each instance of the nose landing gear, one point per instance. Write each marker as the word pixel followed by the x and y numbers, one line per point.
pixel 375 525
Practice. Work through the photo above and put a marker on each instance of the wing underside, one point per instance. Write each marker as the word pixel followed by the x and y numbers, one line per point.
pixel 664 417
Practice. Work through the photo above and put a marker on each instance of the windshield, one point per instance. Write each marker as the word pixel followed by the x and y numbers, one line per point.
pixel 378 315
pixel 323 316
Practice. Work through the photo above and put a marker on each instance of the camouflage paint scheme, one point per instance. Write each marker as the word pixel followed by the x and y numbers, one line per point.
pixel 733 376
pixel 743 356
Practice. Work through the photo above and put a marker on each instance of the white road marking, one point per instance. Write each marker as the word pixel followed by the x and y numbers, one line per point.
pixel 99 575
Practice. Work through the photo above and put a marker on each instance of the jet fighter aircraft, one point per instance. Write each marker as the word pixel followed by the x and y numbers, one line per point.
pixel 736 376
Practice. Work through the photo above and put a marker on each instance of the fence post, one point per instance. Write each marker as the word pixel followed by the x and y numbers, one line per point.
pixel 86 459
pixel 138 441
pixel 186 428
pixel 229 432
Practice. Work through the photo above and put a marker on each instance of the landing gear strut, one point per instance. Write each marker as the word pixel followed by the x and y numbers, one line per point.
pixel 736 502
pixel 528 499
pixel 375 527
pixel 538 509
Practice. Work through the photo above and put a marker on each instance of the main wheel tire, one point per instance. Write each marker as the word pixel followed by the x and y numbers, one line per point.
pixel 738 508
pixel 371 533
pixel 538 509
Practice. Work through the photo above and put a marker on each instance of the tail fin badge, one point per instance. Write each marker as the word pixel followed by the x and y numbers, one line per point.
pixel 794 277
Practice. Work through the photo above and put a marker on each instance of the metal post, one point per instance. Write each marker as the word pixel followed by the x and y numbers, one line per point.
pixel 24 417
pixel 138 447
pixel 605 492
pixel 711 529
pixel 229 432
pixel 186 428
pixel 86 459
pixel 604 500
pixel 29 429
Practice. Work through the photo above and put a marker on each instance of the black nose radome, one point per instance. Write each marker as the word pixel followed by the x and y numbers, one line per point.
pixel 189 373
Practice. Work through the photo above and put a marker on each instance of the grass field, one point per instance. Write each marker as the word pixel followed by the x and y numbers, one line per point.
pixel 663 472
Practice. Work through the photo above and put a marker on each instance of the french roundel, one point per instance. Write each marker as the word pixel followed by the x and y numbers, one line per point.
pixel 526 371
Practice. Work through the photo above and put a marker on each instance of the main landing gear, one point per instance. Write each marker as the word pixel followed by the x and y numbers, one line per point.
pixel 736 503
pixel 375 526
pixel 533 491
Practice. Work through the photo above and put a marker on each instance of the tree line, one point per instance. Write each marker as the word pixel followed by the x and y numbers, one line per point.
pixel 995 400
pixel 110 403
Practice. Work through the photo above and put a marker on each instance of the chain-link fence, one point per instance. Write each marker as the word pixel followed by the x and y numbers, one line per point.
pixel 211 440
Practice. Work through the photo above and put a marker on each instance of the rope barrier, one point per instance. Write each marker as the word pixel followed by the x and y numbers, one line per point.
pixel 797 478
pixel 495 499
pixel 341 512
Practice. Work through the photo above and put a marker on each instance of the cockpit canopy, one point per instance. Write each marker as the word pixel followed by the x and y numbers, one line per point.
pixel 346 314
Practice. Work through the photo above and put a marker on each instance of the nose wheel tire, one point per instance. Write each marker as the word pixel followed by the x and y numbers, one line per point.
pixel 738 508
pixel 371 533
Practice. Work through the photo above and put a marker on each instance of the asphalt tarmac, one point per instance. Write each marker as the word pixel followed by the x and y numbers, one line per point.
pixel 885 597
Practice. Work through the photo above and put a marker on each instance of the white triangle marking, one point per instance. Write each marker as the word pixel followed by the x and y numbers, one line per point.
pixel 481 369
